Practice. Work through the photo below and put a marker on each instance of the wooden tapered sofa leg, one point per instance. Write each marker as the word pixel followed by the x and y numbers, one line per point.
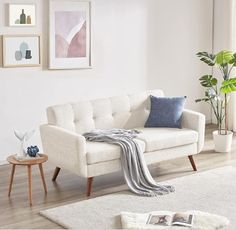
pixel 89 185
pixel 192 162
pixel 56 172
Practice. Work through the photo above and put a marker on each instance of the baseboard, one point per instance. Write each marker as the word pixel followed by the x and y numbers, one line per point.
pixel 208 122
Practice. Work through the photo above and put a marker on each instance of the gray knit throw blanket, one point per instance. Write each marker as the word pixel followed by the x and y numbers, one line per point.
pixel 135 170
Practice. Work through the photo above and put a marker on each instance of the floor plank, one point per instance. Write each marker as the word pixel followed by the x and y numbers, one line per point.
pixel 16 212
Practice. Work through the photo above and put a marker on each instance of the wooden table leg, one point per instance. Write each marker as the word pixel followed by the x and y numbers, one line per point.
pixel 30 184
pixel 11 179
pixel 42 176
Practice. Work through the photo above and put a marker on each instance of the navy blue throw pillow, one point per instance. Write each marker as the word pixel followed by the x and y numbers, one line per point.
pixel 166 112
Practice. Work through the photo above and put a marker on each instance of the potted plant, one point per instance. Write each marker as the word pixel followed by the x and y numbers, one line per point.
pixel 216 94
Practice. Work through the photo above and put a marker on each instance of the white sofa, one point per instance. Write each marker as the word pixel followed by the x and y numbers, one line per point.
pixel 62 137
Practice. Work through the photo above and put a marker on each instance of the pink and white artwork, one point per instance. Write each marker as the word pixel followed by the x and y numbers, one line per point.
pixel 70 34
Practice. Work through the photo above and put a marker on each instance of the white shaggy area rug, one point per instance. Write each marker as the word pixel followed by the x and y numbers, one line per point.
pixel 213 191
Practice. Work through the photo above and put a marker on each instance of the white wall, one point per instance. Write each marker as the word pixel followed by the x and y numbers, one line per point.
pixel 137 44
pixel 223 25
pixel 177 31
pixel 224 39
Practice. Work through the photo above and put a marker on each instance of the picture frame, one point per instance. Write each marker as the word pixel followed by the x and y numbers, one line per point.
pixel 69 34
pixel 21 50
pixel 22 15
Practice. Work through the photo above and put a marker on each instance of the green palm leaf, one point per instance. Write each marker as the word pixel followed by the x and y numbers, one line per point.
pixel 208 81
pixel 205 99
pixel 224 57
pixel 233 61
pixel 209 59
pixel 228 85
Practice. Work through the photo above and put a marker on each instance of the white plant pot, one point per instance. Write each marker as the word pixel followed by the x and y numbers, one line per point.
pixel 222 142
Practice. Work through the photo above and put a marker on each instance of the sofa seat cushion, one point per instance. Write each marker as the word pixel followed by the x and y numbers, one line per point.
pixel 100 151
pixel 163 138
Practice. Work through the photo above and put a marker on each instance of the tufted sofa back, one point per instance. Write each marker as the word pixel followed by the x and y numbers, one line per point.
pixel 127 111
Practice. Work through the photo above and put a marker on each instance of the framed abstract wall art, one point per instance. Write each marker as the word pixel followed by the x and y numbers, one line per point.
pixel 21 50
pixel 22 15
pixel 69 34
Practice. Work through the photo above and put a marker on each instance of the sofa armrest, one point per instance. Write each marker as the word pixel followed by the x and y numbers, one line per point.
pixel 196 121
pixel 65 149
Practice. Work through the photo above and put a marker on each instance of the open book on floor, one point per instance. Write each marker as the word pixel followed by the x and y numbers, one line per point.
pixel 168 219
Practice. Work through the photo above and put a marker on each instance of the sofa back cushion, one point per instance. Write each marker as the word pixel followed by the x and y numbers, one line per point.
pixel 127 111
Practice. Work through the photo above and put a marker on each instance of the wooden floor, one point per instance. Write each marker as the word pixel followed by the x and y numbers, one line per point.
pixel 15 212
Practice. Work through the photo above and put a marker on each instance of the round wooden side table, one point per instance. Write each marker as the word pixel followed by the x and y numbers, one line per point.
pixel 28 162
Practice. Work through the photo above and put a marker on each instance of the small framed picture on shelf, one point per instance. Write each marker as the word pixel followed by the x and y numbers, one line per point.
pixel 22 15
pixel 21 51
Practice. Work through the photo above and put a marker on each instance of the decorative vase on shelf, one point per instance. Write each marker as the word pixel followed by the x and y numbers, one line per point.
pixel 23 17
pixel 28 20
pixel 23 137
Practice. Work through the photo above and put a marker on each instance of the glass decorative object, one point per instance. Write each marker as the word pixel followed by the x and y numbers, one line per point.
pixel 23 137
